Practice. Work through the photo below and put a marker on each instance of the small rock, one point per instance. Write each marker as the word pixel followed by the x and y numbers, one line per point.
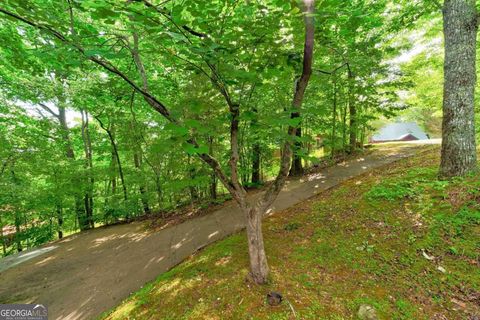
pixel 441 269
pixel 366 312
pixel 274 298
pixel 426 256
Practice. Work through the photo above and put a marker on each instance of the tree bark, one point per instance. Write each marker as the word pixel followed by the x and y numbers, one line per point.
pixel 459 155
pixel 256 248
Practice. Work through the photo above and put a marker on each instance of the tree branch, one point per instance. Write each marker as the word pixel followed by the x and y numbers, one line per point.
pixel 46 108
pixel 333 71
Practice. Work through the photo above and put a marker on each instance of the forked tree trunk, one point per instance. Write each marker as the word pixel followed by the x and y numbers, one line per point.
pixel 256 248
pixel 459 155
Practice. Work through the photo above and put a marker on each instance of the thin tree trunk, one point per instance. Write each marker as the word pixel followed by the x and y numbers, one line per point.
pixel 138 152
pixel 69 153
pixel 18 239
pixel 88 199
pixel 352 110
pixel 213 180
pixel 17 218
pixel 344 128
pixel 4 246
pixel 459 155
pixel 111 137
pixel 60 221
pixel 334 118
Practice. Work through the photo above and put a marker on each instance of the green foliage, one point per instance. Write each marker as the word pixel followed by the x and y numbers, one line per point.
pixel 198 58
pixel 392 191
pixel 413 183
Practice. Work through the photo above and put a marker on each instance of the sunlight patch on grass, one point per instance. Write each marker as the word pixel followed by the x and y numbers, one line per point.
pixel 328 256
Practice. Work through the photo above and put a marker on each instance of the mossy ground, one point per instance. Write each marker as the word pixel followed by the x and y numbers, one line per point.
pixel 395 238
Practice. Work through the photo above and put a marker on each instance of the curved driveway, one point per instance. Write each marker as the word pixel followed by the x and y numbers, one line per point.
pixel 86 274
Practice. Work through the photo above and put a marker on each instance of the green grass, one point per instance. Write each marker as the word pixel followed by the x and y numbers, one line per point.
pixel 328 256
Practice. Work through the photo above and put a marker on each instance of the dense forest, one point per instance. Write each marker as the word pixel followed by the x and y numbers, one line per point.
pixel 115 110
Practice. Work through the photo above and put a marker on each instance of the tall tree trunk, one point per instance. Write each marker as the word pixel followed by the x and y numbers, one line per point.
pixel 17 217
pixel 60 221
pixel 88 198
pixel 138 155
pixel 460 26
pixel 334 118
pixel 111 137
pixel 344 128
pixel 352 110
pixel 18 232
pixel 213 180
pixel 70 155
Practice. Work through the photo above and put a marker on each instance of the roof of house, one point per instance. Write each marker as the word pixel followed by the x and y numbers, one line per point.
pixel 399 130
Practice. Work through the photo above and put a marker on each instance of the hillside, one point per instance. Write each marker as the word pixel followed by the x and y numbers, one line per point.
pixel 404 243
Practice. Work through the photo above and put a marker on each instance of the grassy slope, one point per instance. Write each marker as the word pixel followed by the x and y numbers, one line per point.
pixel 362 242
